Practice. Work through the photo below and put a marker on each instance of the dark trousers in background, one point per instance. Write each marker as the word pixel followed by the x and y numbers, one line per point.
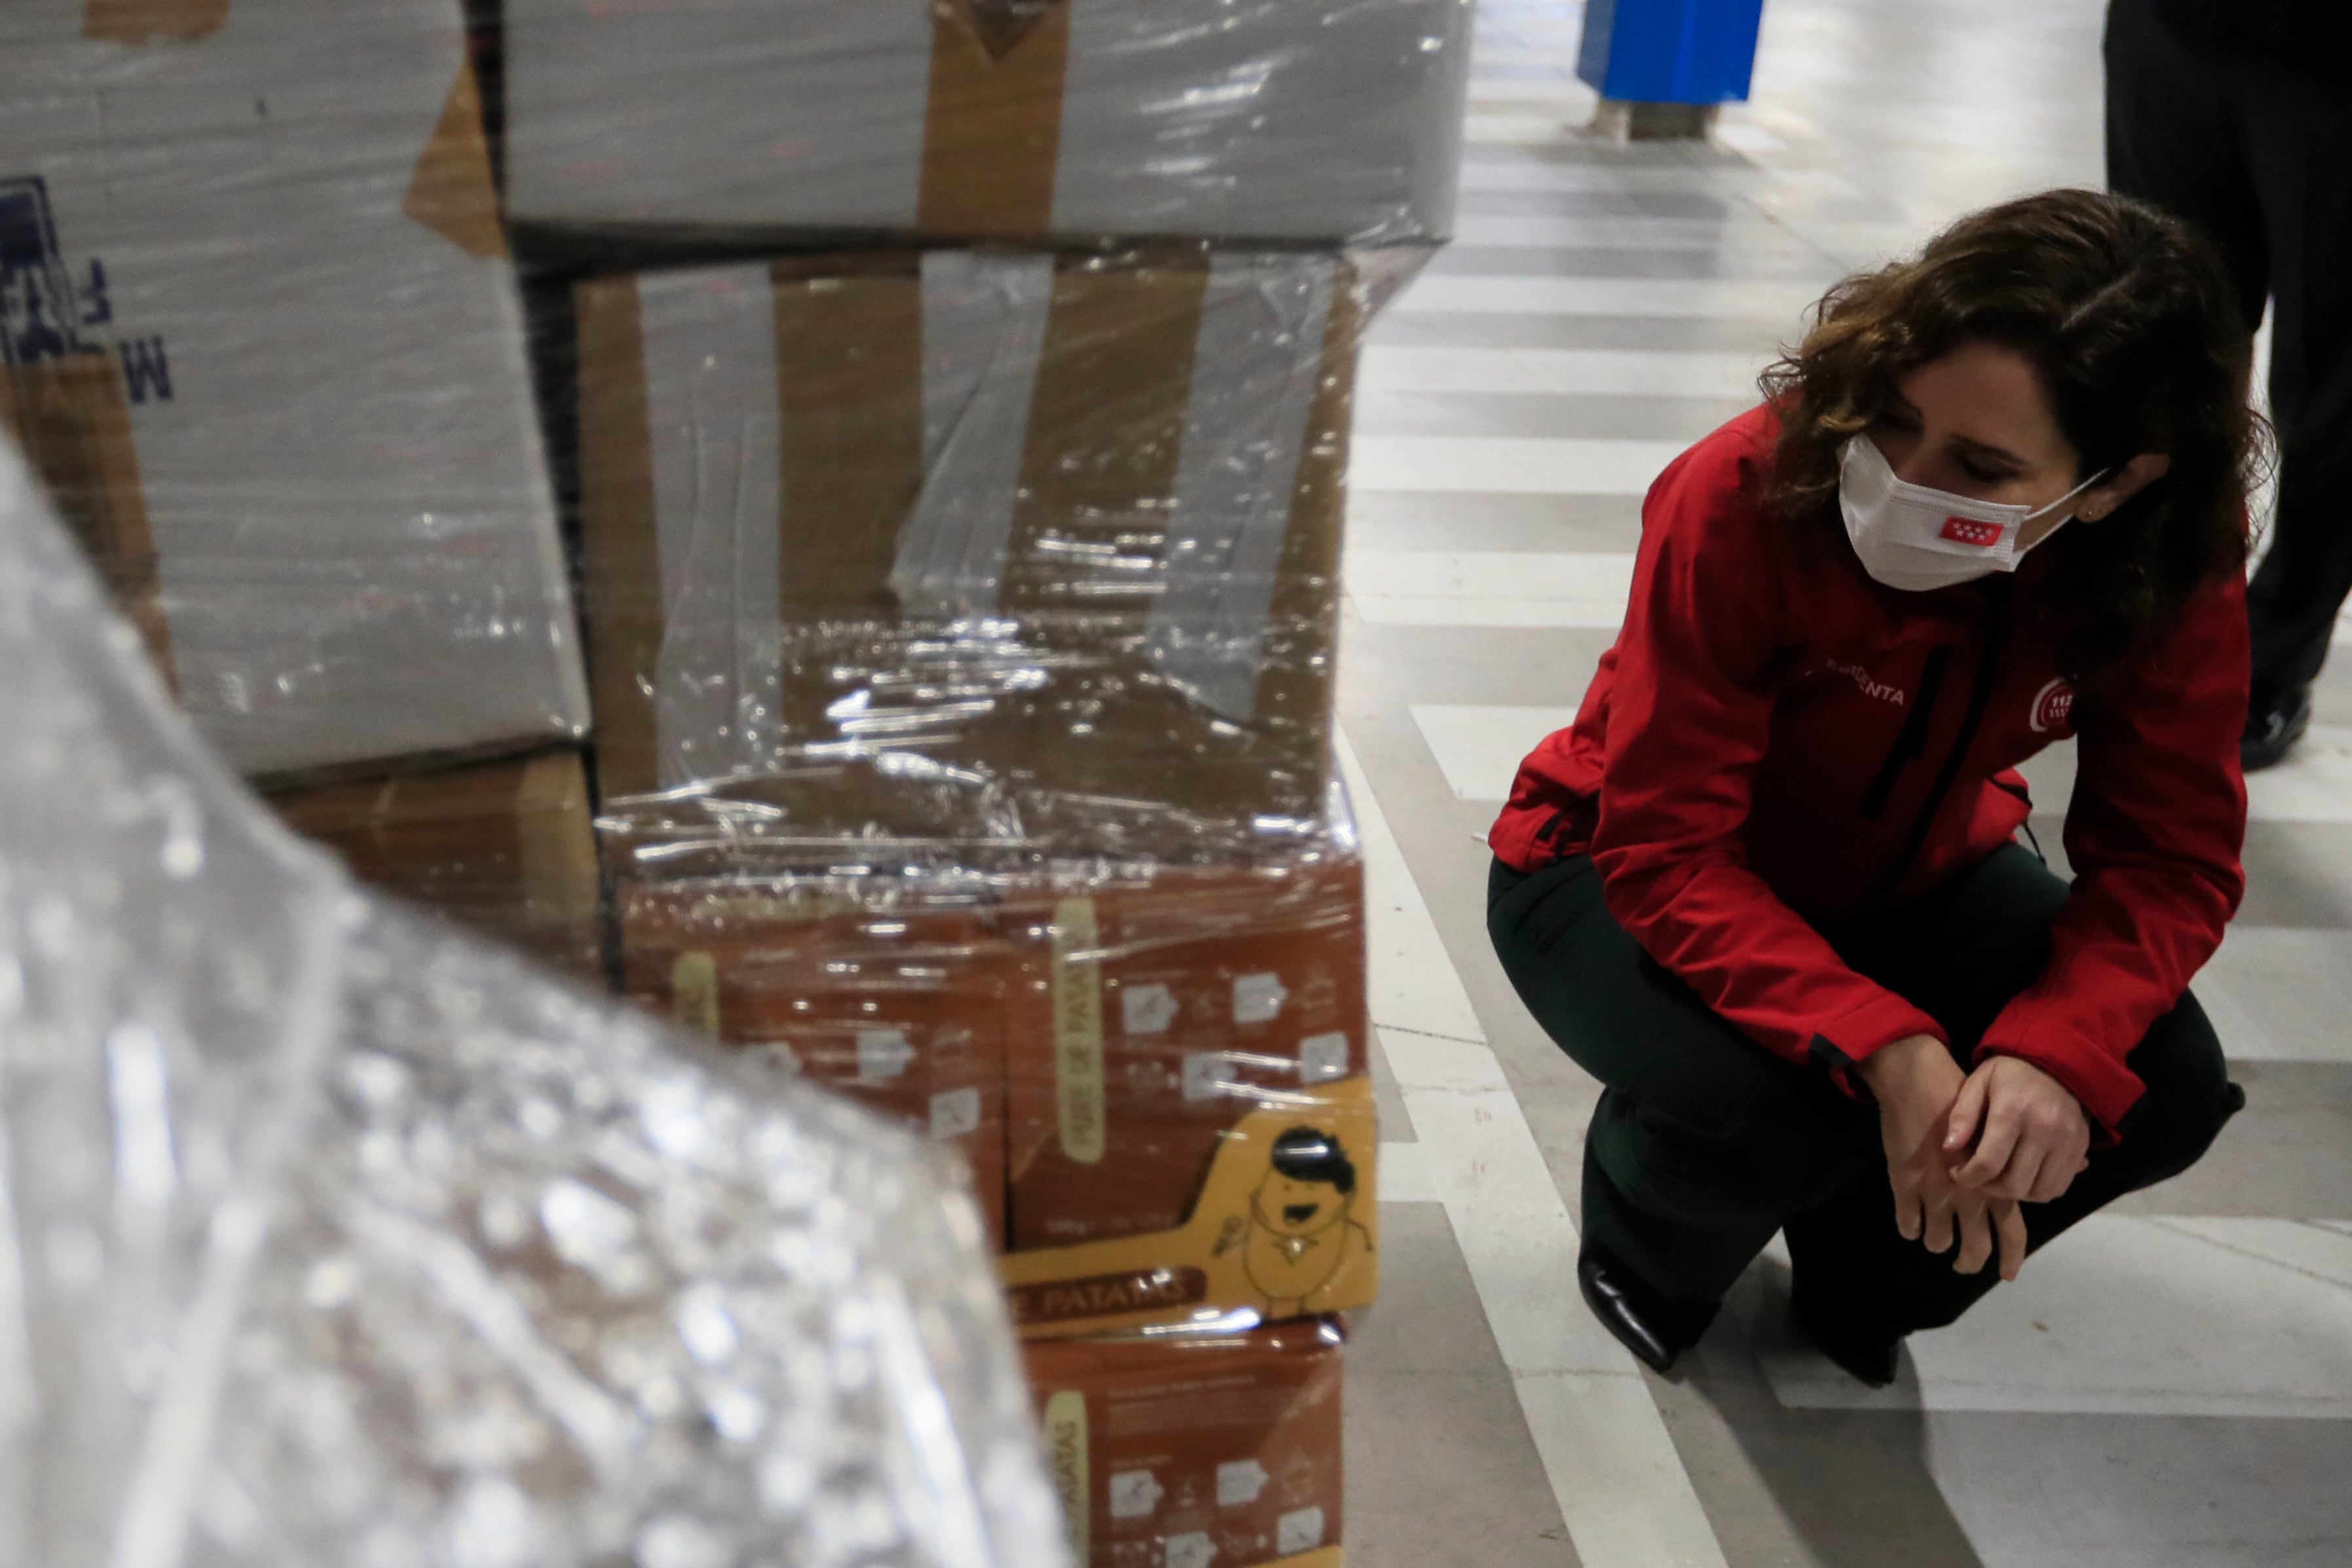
pixel 2258 153
pixel 1705 1144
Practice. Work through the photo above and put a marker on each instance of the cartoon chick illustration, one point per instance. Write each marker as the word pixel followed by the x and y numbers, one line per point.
pixel 1302 1225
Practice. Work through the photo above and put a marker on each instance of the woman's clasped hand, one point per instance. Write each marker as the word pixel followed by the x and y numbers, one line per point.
pixel 1964 1150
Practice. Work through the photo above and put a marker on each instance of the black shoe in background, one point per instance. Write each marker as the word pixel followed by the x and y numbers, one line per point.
pixel 1866 1353
pixel 1654 1327
pixel 2272 726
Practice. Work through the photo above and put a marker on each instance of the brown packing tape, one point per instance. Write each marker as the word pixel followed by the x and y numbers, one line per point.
pixel 136 21
pixel 72 418
pixel 453 192
pixel 1105 424
pixel 993 126
pixel 998 24
pixel 849 400
pixel 619 524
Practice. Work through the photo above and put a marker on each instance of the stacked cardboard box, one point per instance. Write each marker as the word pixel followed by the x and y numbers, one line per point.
pixel 260 337
pixel 961 626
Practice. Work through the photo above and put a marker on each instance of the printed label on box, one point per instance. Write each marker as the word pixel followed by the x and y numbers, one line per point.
pixel 1258 998
pixel 1147 1009
pixel 1323 1059
pixel 1078 1032
pixel 1195 1550
pixel 1239 1483
pixel 1134 1494
pixel 46 304
pixel 1065 1423
pixel 955 1113
pixel 1300 1531
pixel 1107 1295
pixel 883 1055
pixel 1206 1076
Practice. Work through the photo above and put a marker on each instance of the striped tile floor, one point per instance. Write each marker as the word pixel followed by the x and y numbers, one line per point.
pixel 2170 1387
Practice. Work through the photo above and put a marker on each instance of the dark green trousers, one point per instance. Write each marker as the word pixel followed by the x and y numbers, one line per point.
pixel 1705 1144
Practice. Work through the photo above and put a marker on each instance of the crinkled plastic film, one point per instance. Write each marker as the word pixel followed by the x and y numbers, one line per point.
pixel 970 546
pixel 330 1236
pixel 1328 121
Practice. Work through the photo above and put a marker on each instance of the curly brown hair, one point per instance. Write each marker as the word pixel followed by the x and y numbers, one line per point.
pixel 2128 318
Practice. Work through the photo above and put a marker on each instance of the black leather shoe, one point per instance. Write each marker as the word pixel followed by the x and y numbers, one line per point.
pixel 1867 1355
pixel 1657 1328
pixel 2273 728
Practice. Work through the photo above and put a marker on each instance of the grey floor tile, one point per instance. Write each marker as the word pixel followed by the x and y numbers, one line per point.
pixel 1388 1103
pixel 2147 1491
pixel 1440 1466
pixel 2298 874
pixel 2288 1155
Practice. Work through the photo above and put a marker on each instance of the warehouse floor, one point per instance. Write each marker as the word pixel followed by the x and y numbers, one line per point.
pixel 2171 1385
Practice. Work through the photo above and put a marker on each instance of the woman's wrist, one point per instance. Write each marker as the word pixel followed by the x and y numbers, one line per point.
pixel 1902 1058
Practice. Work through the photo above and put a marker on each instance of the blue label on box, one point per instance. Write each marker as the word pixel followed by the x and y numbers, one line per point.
pixel 50 309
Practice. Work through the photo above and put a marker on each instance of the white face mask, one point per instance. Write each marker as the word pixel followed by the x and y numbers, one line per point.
pixel 1916 539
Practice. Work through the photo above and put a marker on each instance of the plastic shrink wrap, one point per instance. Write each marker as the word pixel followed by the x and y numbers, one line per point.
pixel 329 1237
pixel 260 335
pixel 962 630
pixel 1320 122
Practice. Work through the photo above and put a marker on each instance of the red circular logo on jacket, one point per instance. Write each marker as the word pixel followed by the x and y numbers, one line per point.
pixel 2053 706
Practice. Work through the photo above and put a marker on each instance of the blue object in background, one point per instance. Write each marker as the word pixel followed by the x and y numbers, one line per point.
pixel 1669 51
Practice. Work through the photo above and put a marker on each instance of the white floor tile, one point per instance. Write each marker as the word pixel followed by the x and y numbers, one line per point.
pixel 2132 1316
pixel 1578 178
pixel 1710 234
pixel 1488 587
pixel 2278 995
pixel 1404 1175
pixel 2314 784
pixel 1479 749
pixel 1515 130
pixel 1774 300
pixel 1583 372
pixel 1578 100
pixel 1508 465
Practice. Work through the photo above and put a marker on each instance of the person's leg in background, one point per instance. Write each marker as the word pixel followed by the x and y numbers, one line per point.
pixel 1705 1143
pixel 2252 148
pixel 2298 131
pixel 1960 955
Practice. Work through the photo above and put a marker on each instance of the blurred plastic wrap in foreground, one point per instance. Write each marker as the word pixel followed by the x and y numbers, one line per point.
pixel 329 1237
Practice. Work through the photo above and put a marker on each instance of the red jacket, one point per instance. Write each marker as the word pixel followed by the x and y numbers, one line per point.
pixel 1776 736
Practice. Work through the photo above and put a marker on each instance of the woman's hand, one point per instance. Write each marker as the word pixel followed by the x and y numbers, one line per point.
pixel 2032 1138
pixel 1918 1086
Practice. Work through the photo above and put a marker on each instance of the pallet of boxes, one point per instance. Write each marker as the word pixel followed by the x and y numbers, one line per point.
pixel 950 405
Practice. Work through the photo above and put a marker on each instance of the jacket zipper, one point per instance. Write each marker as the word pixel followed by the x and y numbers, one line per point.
pixel 1912 741
pixel 1988 663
